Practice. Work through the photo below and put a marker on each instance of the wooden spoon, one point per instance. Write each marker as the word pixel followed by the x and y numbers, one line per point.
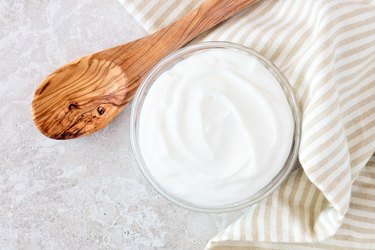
pixel 86 94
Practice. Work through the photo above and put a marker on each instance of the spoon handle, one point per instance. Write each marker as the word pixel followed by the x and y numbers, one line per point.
pixel 147 51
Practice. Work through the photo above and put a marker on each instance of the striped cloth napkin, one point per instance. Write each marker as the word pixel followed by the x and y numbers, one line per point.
pixel 326 49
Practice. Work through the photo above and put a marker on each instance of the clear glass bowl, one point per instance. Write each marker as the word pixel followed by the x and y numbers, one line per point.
pixel 169 62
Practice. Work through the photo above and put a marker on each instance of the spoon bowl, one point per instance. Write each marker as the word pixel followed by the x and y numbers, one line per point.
pixel 79 98
pixel 85 95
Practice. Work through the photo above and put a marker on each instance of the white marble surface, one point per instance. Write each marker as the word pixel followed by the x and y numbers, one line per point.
pixel 85 193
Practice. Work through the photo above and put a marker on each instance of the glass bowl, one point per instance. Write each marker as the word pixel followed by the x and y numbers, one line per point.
pixel 168 62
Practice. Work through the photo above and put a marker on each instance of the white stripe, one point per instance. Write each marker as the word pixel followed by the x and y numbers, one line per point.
pixel 285 219
pixel 258 24
pixel 273 216
pixel 172 16
pixel 357 234
pixel 311 23
pixel 316 144
pixel 361 212
pixel 314 47
pixel 260 220
pixel 337 51
pixel 317 209
pixel 368 202
pixel 277 21
pixel 359 139
pixel 311 8
pixel 308 200
pixel 226 31
pixel 248 224
pixel 149 23
pixel 297 233
pixel 322 72
pixel 343 154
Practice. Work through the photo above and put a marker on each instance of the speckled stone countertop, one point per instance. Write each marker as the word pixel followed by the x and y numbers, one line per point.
pixel 85 193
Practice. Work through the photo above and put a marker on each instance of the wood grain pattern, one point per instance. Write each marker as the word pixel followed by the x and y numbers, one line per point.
pixel 85 95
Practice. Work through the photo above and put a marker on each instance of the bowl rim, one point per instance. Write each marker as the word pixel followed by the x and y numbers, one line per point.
pixel 174 58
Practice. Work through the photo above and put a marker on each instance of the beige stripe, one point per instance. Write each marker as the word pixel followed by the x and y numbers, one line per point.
pixel 356 50
pixel 254 223
pixel 344 174
pixel 328 172
pixel 366 65
pixel 363 143
pixel 325 113
pixel 328 77
pixel 291 200
pixel 360 130
pixel 352 64
pixel 327 101
pixel 326 143
pixel 368 174
pixel 158 21
pixel 353 238
pixel 327 43
pixel 368 88
pixel 285 24
pixel 311 215
pixel 287 40
pixel 363 157
pixel 302 212
pixel 358 163
pixel 358 229
pixel 364 196
pixel 151 11
pixel 360 183
pixel 253 14
pixel 141 4
pixel 263 8
pixel 357 37
pixel 360 218
pixel 355 121
pixel 271 13
pixel 306 101
pixel 292 203
pixel 322 117
pixel 331 10
pixel 342 43
pixel 267 219
pixel 311 169
pixel 301 39
pixel 280 213
pixel 332 90
pixel 371 163
pixel 362 207
pixel 361 103
pixel 343 195
pixel 274 21
pixel 308 210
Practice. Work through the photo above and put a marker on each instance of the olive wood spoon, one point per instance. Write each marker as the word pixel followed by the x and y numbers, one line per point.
pixel 85 95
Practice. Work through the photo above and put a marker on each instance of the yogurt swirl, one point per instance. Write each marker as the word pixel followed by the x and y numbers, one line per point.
pixel 215 128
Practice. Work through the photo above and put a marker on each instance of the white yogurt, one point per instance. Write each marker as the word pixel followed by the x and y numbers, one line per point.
pixel 215 128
